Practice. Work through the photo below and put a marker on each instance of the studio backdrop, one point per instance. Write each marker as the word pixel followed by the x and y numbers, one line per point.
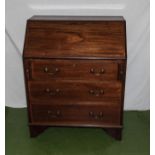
pixel 136 14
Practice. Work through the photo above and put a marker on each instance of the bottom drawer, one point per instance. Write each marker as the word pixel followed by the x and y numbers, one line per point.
pixel 69 115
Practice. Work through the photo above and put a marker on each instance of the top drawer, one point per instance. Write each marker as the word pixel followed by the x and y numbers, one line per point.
pixel 74 69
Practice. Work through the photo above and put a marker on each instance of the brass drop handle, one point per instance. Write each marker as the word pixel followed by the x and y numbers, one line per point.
pixel 52 92
pixel 96 92
pixel 46 69
pixel 52 114
pixel 53 72
pixel 97 73
pixel 94 115
pixel 91 114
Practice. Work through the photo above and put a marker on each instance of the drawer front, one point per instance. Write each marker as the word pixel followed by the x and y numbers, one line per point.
pixel 58 115
pixel 74 69
pixel 50 92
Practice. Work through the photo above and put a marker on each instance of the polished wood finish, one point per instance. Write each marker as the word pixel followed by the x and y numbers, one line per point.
pixel 57 39
pixel 71 69
pixel 75 72
pixel 96 115
pixel 74 90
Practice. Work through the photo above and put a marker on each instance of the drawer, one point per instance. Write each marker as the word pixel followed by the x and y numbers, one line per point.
pixel 65 115
pixel 74 69
pixel 65 91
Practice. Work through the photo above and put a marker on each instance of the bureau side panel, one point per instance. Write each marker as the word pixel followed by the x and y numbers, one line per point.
pixel 122 78
pixel 27 75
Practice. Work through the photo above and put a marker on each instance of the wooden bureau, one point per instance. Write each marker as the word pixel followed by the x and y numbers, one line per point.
pixel 75 72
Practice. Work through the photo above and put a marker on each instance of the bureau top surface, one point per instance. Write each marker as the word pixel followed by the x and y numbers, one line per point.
pixel 91 37
pixel 77 18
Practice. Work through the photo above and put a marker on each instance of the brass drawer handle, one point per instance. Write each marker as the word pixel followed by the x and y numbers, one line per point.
pixel 97 116
pixel 52 114
pixel 96 92
pixel 53 72
pixel 52 92
pixel 97 73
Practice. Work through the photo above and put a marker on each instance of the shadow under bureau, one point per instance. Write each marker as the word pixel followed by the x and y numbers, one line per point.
pixel 75 72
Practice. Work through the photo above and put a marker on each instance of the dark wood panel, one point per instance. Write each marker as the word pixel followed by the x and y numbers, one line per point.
pixel 75 72
pixel 116 133
pixel 64 114
pixel 50 92
pixel 67 39
pixel 74 69
pixel 36 130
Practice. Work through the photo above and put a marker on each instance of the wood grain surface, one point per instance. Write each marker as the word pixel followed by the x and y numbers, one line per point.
pixel 75 71
pixel 48 39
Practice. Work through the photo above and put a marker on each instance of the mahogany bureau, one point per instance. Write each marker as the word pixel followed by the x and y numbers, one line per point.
pixel 75 72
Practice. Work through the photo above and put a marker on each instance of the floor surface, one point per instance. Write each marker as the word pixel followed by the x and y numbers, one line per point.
pixel 77 141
